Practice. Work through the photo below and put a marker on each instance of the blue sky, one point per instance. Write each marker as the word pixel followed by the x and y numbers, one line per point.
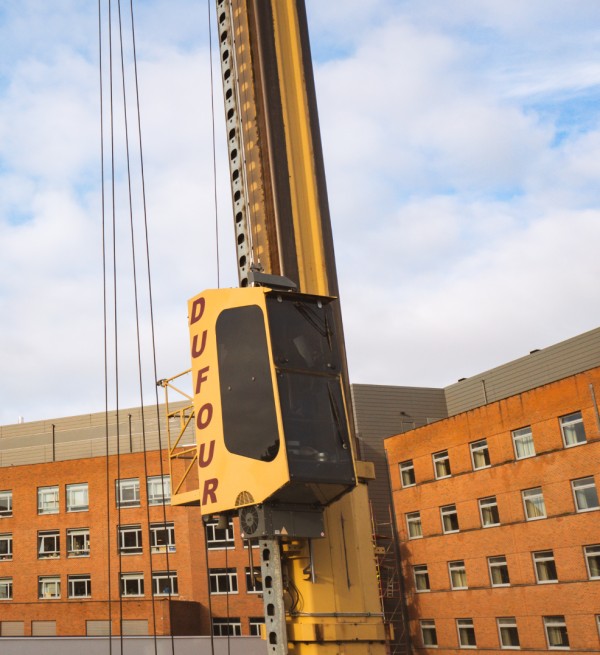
pixel 461 150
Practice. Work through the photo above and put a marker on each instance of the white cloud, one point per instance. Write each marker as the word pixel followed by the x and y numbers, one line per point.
pixel 465 212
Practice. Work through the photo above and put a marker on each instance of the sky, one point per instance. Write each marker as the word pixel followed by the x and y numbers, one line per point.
pixel 461 144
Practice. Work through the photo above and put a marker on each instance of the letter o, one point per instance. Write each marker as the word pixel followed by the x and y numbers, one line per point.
pixel 204 416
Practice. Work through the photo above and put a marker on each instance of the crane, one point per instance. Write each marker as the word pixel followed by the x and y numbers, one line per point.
pixel 271 400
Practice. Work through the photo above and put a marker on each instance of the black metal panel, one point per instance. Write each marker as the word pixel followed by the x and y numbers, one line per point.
pixel 247 399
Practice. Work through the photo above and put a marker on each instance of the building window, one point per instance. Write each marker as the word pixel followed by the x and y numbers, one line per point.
pixel 523 443
pixel 498 571
pixel 421 577
pixel 466 633
pixel 585 494
pixel 592 560
pixel 253 583
pixel 218 538
pixel 488 510
pixel 80 586
pixel 130 539
pixel 132 584
pixel 78 542
pixel 428 633
pixel 413 523
pixel 508 632
pixel 556 632
pixel 77 497
pixel 231 627
pixel 159 490
pixel 256 623
pixel 441 465
pixel 572 429
pixel 47 500
pixel 458 574
pixel 533 502
pixel 128 492
pixel 480 455
pixel 6 546
pixel 164 583
pixel 545 566
pixel 407 473
pixel 5 503
pixel 162 537
pixel 48 544
pixel 449 519
pixel 223 581
pixel 598 622
pixel 6 592
pixel 49 586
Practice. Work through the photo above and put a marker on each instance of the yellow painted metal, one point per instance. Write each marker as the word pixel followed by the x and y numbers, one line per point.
pixel 343 604
pixel 226 480
pixel 299 140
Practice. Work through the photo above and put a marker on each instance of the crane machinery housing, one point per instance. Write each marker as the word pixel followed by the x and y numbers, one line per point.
pixel 274 434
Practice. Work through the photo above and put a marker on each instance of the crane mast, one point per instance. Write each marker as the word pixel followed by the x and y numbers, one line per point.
pixel 271 391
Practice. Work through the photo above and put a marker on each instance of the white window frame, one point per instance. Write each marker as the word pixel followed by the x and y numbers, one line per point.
pixel 420 571
pixel 75 581
pixel 592 553
pixel 226 627
pixel 49 587
pixel 48 544
pixel 128 487
pixel 6 589
pixel 557 621
pixel 6 496
pixel 508 623
pixel 77 497
pixel 489 503
pixel 480 447
pixel 581 484
pixel 126 530
pixel 8 538
pixel 459 567
pixel 428 625
pixel 257 588
pixel 497 562
pixel 255 623
pixel 48 500
pixel 465 624
pixel 225 581
pixel 407 467
pixel 539 557
pixel 413 519
pixel 126 579
pixel 442 458
pixel 72 534
pixel 533 496
pixel 523 438
pixel 160 578
pixel 449 511
pixel 570 422
pixel 220 538
pixel 169 532
pixel 159 489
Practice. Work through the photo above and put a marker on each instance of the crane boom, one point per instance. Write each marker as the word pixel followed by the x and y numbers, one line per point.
pixel 317 558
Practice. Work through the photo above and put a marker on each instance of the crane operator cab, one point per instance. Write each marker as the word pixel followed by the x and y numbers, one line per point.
pixel 271 422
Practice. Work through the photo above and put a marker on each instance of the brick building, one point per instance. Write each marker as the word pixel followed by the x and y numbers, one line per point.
pixel 86 539
pixel 496 508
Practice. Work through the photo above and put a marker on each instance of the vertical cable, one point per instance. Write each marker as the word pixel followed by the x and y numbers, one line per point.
pixel 105 321
pixel 210 614
pixel 137 313
pixel 151 304
pixel 115 309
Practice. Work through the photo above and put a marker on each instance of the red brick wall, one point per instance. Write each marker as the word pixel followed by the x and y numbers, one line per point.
pixel 189 609
pixel 564 530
